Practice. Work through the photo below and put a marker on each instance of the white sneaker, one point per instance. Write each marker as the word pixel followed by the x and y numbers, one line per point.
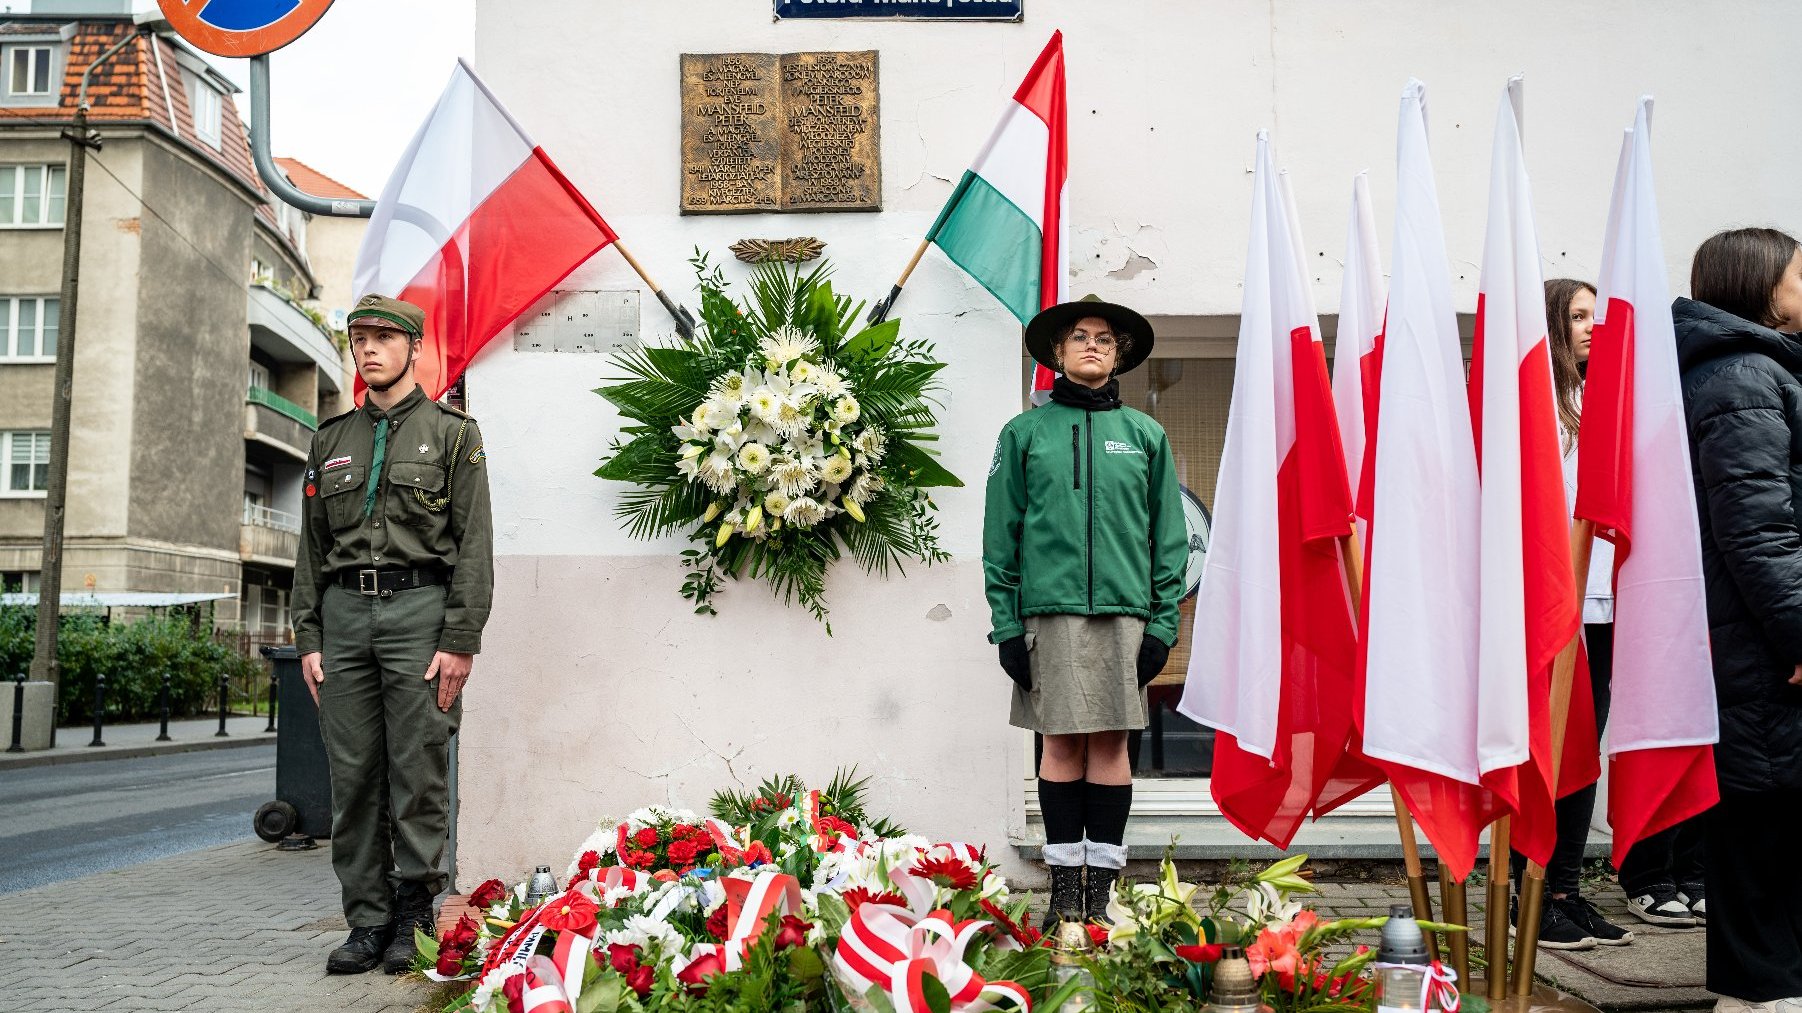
pixel 1698 906
pixel 1662 908
pixel 1727 1004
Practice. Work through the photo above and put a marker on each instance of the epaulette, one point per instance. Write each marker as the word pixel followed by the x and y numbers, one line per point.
pixel 458 412
pixel 336 418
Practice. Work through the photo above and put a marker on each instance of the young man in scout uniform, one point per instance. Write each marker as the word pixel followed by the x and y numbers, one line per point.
pixel 391 589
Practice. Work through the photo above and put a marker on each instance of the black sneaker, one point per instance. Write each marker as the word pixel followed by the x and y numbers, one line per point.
pixel 1585 916
pixel 1556 930
pixel 1696 900
pixel 362 951
pixel 1661 906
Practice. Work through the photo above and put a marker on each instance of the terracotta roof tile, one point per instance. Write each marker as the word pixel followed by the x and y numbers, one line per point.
pixel 311 180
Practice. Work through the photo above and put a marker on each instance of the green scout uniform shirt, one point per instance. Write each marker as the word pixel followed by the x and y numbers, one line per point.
pixel 423 504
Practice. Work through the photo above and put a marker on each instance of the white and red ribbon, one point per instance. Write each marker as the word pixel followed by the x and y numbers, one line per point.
pixel 891 947
pixel 749 903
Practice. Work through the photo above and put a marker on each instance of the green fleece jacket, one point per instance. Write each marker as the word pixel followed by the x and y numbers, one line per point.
pixel 1083 517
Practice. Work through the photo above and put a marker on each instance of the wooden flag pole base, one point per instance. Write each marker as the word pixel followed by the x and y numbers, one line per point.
pixel 880 311
pixel 685 324
pixel 1495 922
pixel 1457 912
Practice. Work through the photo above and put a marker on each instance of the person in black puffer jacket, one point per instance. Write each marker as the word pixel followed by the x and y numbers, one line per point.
pixel 1743 400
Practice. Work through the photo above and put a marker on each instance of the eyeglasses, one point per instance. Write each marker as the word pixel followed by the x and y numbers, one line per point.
pixel 1103 341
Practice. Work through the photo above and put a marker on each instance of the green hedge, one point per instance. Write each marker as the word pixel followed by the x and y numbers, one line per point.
pixel 134 656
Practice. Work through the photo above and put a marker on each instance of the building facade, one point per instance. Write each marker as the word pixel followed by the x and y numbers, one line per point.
pixel 200 369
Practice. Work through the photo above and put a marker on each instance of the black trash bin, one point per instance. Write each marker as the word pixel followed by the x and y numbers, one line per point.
pixel 303 783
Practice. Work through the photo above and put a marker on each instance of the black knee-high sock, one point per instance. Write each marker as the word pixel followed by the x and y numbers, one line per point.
pixel 1061 802
pixel 1105 808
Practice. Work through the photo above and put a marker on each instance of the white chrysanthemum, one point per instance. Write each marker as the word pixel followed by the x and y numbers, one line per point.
pixel 732 388
pixel 654 934
pixel 775 503
pixel 804 372
pixel 846 410
pixel 865 488
pixel 804 512
pixel 787 344
pixel 829 382
pixel 836 469
pixel 754 458
pixel 791 417
pixel 715 472
pixel 764 403
pixel 872 442
pixel 792 475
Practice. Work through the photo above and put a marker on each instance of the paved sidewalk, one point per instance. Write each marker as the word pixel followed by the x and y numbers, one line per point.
pixel 188 735
pixel 236 928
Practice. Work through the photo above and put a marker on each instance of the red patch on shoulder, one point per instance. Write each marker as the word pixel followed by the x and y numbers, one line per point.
pixel 311 489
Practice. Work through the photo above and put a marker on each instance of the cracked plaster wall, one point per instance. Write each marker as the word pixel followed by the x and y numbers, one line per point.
pixel 598 691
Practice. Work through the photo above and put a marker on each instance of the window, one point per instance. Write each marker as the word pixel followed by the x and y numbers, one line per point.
pixel 30 71
pixel 204 103
pixel 24 463
pixel 28 326
pixel 32 195
pixel 259 376
pixel 18 581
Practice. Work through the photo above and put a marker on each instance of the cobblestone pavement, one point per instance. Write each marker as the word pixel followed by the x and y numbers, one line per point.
pixel 244 927
pixel 238 927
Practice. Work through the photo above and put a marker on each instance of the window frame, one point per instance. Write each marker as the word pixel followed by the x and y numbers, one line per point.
pixel 7 463
pixel 210 129
pixel 50 53
pixel 9 329
pixel 48 174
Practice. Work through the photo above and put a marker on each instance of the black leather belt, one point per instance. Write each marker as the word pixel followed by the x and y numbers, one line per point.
pixel 381 583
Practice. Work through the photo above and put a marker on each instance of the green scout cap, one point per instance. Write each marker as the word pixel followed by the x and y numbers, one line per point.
pixel 380 311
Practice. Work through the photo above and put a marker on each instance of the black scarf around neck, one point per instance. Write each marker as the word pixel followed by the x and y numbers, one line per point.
pixel 1095 399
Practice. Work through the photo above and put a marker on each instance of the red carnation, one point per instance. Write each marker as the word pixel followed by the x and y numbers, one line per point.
pixel 758 852
pixel 639 979
pixel 681 851
pixel 622 957
pixel 514 991
pixel 792 932
pixel 646 838
pixel 716 923
pixel 1205 953
pixel 685 831
pixel 946 872
pixel 588 861
pixel 571 912
pixel 858 896
pixel 638 859
pixel 835 824
pixel 488 894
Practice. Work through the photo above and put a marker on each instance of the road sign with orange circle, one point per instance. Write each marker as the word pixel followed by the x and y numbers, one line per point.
pixel 242 27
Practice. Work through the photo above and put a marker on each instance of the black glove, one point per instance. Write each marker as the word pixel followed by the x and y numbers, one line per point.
pixel 1015 662
pixel 1152 655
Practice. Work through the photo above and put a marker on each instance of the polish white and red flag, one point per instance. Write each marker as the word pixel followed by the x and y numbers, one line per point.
pixel 1634 482
pixel 1357 351
pixel 1529 608
pixel 1418 709
pixel 475 225
pixel 1272 665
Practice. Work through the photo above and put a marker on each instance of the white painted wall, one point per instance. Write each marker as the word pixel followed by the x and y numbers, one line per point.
pixel 598 692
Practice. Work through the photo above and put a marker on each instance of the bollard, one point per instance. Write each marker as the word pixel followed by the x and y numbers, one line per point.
pixel 163 736
pixel 224 689
pixel 273 687
pixel 99 707
pixel 18 745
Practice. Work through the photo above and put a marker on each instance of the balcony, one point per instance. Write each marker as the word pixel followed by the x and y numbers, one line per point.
pixel 284 332
pixel 278 423
pixel 269 537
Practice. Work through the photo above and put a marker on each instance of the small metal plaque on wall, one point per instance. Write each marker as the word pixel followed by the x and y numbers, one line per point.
pixel 579 320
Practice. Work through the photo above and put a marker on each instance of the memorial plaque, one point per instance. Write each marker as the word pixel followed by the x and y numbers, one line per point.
pixel 798 132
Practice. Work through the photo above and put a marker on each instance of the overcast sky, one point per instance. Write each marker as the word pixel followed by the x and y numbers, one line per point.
pixel 348 95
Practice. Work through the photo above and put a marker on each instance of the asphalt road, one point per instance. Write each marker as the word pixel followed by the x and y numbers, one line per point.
pixel 68 820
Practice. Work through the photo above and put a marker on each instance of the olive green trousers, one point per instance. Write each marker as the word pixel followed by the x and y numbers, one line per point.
pixel 388 745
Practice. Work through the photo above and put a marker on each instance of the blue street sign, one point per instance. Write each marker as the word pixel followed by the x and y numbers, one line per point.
pixel 941 10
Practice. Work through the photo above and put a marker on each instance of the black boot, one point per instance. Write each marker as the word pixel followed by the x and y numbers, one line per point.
pixel 1066 896
pixel 362 951
pixel 1098 891
pixel 412 909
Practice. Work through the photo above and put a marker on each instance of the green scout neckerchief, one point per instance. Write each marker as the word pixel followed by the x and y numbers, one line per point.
pixel 375 466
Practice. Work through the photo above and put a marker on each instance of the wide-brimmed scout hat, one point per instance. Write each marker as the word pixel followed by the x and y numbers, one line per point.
pixel 1043 332
pixel 380 311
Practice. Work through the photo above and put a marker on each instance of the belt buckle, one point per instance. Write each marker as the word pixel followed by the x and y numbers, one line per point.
pixel 367 584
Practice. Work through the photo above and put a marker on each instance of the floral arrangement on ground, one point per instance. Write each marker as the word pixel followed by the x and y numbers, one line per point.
pixel 786 898
pixel 780 432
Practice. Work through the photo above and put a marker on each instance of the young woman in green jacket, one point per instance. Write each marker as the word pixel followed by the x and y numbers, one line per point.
pixel 1084 549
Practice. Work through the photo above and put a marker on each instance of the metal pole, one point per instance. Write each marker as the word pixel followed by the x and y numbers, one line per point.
pixel 274 690
pixel 224 688
pixel 266 168
pixel 44 663
pixel 99 707
pixel 18 745
pixel 164 735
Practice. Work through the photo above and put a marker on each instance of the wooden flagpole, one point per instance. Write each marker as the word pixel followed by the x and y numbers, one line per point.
pixel 685 324
pixel 879 312
pixel 1349 555
pixel 1495 921
pixel 1532 887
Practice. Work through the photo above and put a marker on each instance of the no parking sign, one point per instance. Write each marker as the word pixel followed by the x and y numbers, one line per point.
pixel 242 27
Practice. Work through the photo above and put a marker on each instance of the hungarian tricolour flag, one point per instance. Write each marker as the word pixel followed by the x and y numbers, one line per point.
pixel 1418 709
pixel 1357 351
pixel 1633 481
pixel 475 225
pixel 1275 647
pixel 1529 609
pixel 1005 223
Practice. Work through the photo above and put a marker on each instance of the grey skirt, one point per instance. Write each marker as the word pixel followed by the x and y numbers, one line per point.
pixel 1084 675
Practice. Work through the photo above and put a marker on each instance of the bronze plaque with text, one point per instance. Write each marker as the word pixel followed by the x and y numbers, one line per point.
pixel 797 132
